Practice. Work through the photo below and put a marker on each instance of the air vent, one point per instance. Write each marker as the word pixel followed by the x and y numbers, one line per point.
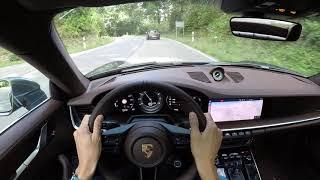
pixel 83 110
pixel 199 76
pixel 235 76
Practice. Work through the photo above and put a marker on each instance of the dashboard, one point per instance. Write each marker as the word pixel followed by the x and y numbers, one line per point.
pixel 238 98
pixel 243 102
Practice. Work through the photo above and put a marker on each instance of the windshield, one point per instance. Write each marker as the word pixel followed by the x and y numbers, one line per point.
pixel 103 39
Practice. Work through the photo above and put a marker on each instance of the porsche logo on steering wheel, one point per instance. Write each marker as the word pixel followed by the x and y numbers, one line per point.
pixel 147 149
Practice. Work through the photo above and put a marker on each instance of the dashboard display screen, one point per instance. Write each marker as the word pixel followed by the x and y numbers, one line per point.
pixel 222 110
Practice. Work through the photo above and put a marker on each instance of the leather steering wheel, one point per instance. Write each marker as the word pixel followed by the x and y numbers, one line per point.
pixel 147 142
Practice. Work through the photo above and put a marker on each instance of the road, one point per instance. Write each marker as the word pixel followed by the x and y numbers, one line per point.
pixel 132 49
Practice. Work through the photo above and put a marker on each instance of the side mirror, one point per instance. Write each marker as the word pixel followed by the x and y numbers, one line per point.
pixel 6 106
pixel 19 92
pixel 266 29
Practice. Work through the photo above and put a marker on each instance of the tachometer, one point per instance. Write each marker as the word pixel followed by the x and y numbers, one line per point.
pixel 125 103
pixel 150 102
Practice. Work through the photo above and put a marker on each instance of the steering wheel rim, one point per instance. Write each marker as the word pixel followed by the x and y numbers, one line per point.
pixel 105 106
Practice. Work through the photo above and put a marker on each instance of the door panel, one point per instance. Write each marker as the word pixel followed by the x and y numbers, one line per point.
pixel 18 141
pixel 45 165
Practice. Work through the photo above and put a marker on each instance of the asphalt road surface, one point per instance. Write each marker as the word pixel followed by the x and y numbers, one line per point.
pixel 131 49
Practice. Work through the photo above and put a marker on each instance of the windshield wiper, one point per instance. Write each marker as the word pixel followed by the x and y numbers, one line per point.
pixel 159 65
pixel 145 66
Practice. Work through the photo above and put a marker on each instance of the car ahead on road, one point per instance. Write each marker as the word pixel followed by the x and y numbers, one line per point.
pixel 153 34
pixel 269 114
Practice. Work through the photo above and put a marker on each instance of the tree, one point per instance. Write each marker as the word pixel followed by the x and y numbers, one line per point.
pixel 81 22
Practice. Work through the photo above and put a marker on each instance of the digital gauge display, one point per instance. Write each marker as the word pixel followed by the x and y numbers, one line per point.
pixel 125 103
pixel 176 105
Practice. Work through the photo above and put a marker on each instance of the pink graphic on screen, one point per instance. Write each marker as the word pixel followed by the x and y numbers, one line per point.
pixel 235 110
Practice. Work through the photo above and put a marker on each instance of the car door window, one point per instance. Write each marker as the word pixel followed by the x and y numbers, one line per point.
pixel 22 88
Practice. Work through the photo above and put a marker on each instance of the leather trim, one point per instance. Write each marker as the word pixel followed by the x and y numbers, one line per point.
pixel 21 134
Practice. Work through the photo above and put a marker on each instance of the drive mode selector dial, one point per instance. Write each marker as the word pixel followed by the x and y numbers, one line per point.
pixel 150 101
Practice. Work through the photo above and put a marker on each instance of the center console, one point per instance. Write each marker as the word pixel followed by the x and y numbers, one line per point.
pixel 237 164
pixel 235 160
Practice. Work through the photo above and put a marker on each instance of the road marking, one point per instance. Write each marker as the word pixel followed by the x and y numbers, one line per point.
pixel 136 47
pixel 134 50
pixel 193 49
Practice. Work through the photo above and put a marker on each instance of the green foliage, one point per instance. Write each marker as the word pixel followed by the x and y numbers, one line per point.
pixel 123 19
pixel 80 22
pixel 13 57
pixel 312 31
pixel 7 58
pixel 199 17
pixel 296 56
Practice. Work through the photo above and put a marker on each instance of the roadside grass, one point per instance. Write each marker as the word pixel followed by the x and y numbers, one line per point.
pixel 9 63
pixel 73 45
pixel 295 56
pixel 8 59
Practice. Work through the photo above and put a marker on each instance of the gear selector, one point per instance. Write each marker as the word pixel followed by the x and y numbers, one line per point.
pixel 237 165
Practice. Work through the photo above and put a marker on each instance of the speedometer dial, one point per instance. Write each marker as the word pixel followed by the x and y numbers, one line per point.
pixel 150 102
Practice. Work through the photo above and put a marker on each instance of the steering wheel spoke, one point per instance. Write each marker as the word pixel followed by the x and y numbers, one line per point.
pixel 153 171
pixel 118 131
pixel 113 138
pixel 180 136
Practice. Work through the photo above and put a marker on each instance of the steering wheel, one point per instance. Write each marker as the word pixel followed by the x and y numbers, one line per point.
pixel 148 142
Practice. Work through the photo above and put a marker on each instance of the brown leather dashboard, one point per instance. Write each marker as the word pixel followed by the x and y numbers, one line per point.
pixel 238 83
pixel 280 91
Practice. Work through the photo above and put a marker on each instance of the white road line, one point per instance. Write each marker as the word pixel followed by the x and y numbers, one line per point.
pixel 193 49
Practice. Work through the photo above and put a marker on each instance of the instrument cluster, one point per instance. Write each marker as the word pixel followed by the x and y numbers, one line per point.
pixel 150 102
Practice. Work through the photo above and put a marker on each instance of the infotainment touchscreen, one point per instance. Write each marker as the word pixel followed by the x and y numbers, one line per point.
pixel 223 110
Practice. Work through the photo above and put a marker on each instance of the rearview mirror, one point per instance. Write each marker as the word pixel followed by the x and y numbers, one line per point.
pixel 5 98
pixel 266 29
